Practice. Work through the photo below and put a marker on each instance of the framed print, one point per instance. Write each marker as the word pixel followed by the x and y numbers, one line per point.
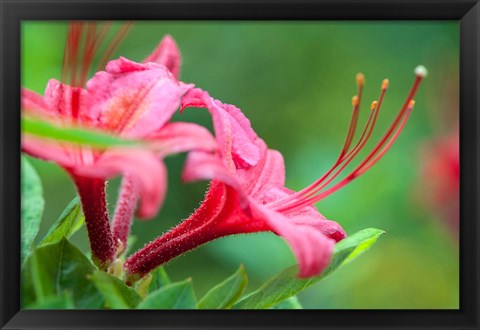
pixel 238 164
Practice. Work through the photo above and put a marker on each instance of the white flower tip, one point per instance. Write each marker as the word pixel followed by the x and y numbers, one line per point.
pixel 421 71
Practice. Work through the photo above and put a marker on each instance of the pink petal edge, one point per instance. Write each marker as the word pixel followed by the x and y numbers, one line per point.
pixel 145 169
pixel 167 54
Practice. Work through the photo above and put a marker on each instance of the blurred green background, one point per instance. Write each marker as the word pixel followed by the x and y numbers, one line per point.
pixel 295 81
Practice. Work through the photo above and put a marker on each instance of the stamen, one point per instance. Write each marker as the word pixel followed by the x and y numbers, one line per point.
pixel 355 101
pixel 112 47
pixel 385 84
pixel 85 37
pixel 74 67
pixel 421 71
pixel 389 144
pixel 88 52
pixel 356 104
pixel 366 134
pixel 362 168
pixel 71 52
pixel 103 33
pixel 385 143
pixel 351 128
pixel 360 80
pixel 354 121
pixel 375 107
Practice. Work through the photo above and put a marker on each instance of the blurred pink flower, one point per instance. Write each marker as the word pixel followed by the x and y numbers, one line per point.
pixel 248 191
pixel 440 178
pixel 131 100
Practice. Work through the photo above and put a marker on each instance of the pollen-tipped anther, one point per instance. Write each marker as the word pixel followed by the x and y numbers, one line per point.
pixel 421 71
pixel 355 101
pixel 385 84
pixel 318 189
pixel 360 79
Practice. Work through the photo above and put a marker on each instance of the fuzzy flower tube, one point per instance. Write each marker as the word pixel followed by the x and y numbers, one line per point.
pixel 130 100
pixel 248 193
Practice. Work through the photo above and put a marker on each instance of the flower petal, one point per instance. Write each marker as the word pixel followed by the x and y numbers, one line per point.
pixel 205 166
pixel 180 137
pixel 167 54
pixel 64 100
pixel 233 131
pixel 268 173
pixel 312 249
pixel 146 171
pixel 33 103
pixel 48 150
pixel 329 228
pixel 134 99
pixel 278 193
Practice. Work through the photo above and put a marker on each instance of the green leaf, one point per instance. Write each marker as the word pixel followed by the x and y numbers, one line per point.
pixel 54 268
pixel 62 301
pixel 66 225
pixel 32 207
pixel 44 129
pixel 116 293
pixel 178 295
pixel 290 303
pixel 287 284
pixel 225 294
pixel 159 280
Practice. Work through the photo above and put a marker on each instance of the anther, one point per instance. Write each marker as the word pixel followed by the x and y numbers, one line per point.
pixel 360 79
pixel 374 105
pixel 421 71
pixel 355 101
pixel 385 83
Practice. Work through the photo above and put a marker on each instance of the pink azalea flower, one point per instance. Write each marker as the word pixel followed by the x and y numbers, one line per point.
pixel 130 100
pixel 248 191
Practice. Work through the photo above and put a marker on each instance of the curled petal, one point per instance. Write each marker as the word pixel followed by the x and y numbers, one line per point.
pixel 180 137
pixel 312 249
pixel 134 99
pixel 167 54
pixel 232 129
pixel 205 166
pixel 329 228
pixel 145 170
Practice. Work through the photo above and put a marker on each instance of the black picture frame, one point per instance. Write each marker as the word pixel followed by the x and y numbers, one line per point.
pixel 14 11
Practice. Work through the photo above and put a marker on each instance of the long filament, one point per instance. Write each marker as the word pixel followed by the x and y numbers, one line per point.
pixel 311 194
pixel 362 168
pixel 345 159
